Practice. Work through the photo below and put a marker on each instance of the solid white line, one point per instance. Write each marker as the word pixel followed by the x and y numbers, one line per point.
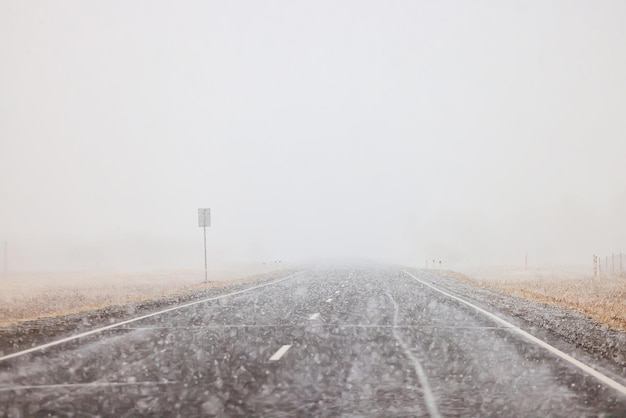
pixel 203 327
pixel 587 369
pixel 429 398
pixel 97 330
pixel 311 318
pixel 314 317
pixel 281 351
pixel 84 385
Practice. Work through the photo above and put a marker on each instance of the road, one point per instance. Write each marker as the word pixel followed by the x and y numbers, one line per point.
pixel 375 341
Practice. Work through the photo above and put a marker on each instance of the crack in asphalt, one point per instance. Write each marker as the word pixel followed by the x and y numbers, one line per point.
pixel 427 393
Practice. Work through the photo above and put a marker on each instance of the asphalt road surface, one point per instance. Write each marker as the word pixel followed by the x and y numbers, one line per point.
pixel 325 342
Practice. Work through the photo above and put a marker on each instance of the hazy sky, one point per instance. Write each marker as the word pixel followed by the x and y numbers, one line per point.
pixel 402 130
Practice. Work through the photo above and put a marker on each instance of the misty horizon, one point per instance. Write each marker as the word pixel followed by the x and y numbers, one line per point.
pixel 398 132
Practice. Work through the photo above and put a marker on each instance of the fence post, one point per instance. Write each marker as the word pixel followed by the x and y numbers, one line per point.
pixel 525 261
pixel 613 263
pixel 5 268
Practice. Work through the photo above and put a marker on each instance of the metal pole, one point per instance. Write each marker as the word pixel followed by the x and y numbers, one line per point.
pixel 206 279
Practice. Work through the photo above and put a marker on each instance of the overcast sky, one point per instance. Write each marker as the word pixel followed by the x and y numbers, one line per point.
pixel 471 132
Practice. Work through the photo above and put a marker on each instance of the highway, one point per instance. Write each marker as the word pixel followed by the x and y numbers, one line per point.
pixel 327 341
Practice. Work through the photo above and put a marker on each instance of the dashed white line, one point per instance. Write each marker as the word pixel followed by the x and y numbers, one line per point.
pixel 329 300
pixel 314 316
pixel 602 378
pixel 97 330
pixel 281 351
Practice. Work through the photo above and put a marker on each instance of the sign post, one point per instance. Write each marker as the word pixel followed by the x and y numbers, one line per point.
pixel 204 220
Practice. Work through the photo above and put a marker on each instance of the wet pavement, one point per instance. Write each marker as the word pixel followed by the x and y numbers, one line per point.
pixel 326 342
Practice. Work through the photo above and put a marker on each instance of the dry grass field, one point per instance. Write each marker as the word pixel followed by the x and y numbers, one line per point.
pixel 603 299
pixel 25 296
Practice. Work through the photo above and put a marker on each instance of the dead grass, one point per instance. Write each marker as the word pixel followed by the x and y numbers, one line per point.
pixel 603 299
pixel 25 296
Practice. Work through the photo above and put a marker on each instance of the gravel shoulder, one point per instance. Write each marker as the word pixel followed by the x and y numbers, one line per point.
pixel 603 344
pixel 27 334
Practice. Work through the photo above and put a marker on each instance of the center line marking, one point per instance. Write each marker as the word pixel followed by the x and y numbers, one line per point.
pixel 314 316
pixel 281 351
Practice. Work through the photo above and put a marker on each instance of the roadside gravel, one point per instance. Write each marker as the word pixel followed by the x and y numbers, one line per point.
pixel 601 342
pixel 31 333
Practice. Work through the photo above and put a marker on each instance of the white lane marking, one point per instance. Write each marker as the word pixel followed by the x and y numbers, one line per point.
pixel 97 330
pixel 329 300
pixel 281 351
pixel 84 385
pixel 314 317
pixel 593 372
pixel 202 327
pixel 429 398
pixel 337 292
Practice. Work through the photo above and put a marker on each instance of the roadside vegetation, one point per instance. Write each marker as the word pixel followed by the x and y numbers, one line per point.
pixel 603 299
pixel 27 296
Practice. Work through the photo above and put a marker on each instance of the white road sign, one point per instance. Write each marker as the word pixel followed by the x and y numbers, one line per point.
pixel 204 217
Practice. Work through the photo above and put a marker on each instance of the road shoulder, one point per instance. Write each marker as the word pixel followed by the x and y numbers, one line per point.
pixel 26 334
pixel 598 340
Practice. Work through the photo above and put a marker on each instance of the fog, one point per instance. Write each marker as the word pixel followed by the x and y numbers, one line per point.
pixel 468 132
